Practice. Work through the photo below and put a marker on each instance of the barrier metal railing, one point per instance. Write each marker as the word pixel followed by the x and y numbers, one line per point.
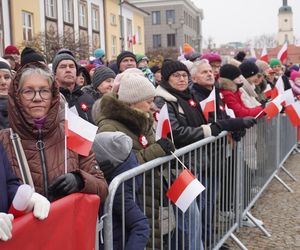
pixel 234 174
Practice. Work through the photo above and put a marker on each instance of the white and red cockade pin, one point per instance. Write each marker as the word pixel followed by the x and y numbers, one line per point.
pixel 143 141
pixel 84 107
pixel 192 103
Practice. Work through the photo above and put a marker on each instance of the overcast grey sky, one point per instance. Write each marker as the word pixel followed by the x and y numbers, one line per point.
pixel 239 20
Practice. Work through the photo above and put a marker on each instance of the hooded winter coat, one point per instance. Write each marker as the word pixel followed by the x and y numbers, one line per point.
pixel 53 139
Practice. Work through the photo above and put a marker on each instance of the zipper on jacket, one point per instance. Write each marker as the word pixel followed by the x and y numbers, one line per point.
pixel 41 147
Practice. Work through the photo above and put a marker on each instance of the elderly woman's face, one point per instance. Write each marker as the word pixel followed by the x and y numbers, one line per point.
pixel 36 96
pixel 179 80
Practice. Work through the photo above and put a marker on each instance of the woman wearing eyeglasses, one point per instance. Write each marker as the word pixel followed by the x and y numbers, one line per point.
pixel 33 113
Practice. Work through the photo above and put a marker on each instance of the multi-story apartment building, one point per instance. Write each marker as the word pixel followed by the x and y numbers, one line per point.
pixel 171 23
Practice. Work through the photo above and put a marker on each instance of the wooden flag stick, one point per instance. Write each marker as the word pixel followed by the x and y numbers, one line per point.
pixel 182 164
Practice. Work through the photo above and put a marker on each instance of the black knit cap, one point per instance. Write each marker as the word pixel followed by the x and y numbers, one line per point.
pixel 248 69
pixel 170 67
pixel 124 54
pixel 230 72
pixel 4 65
pixel 29 55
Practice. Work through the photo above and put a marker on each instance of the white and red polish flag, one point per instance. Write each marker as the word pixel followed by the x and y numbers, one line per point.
pixel 264 55
pixel 278 89
pixel 282 54
pixel 163 124
pixel 293 113
pixel 274 107
pixel 229 112
pixel 268 91
pixel 79 132
pixel 209 104
pixel 288 97
pixel 184 190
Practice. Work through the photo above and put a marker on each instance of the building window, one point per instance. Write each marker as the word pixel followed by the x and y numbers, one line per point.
pixel 155 17
pixel 170 16
pixel 113 19
pixel 114 45
pixel 139 35
pixel 27 26
pixel 50 8
pixel 95 17
pixel 82 14
pixel 156 41
pixel 68 11
pixel 171 40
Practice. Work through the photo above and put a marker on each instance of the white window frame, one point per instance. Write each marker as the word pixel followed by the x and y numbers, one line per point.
pixel 68 11
pixel 113 45
pixel 27 24
pixel 51 10
pixel 82 9
pixel 113 19
pixel 95 17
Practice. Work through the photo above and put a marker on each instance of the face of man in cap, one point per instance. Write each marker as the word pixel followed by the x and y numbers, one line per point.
pixel 66 74
pixel 126 63
pixel 204 76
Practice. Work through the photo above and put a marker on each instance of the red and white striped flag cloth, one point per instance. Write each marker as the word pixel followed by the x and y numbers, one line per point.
pixel 209 104
pixel 278 89
pixel 268 91
pixel 282 54
pixel 264 55
pixel 229 112
pixel 184 190
pixel 274 107
pixel 163 124
pixel 79 132
pixel 288 97
pixel 293 113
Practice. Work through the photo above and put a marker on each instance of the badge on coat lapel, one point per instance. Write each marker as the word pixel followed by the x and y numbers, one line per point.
pixel 192 103
pixel 143 141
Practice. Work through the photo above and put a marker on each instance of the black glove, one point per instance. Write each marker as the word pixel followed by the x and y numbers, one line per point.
pixel 237 135
pixel 166 145
pixel 248 122
pixel 66 184
pixel 215 128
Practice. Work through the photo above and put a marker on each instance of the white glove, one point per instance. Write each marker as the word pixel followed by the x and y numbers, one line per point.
pixel 40 206
pixel 5 226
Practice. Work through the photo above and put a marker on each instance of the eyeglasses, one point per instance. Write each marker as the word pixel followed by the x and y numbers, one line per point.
pixel 29 94
pixel 178 75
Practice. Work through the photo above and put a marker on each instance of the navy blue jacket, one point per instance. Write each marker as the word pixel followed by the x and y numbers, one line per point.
pixel 137 228
pixel 9 183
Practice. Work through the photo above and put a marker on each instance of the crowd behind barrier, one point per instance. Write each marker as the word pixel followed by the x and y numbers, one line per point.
pixel 234 173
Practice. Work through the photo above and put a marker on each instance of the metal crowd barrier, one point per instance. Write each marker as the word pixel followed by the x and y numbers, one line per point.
pixel 234 174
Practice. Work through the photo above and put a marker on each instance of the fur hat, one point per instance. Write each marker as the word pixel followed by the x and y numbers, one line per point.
pixel 112 146
pixel 124 54
pixel 29 55
pixel 99 53
pixel 11 49
pixel 248 69
pixel 230 72
pixel 60 57
pixel 170 67
pixel 211 57
pixel 100 75
pixel 135 88
pixel 274 62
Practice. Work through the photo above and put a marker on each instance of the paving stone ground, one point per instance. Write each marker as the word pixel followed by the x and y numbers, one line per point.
pixel 280 212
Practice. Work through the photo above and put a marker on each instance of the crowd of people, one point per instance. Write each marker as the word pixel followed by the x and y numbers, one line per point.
pixel 122 99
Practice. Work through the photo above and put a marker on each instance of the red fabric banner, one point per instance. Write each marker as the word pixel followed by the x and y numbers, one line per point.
pixel 71 225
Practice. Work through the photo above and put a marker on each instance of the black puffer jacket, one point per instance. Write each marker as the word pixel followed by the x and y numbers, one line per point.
pixel 82 101
pixel 3 112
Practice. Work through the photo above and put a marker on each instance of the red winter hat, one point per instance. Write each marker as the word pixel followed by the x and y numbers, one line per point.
pixel 11 49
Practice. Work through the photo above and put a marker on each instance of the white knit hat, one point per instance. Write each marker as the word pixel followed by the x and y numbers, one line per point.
pixel 135 88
